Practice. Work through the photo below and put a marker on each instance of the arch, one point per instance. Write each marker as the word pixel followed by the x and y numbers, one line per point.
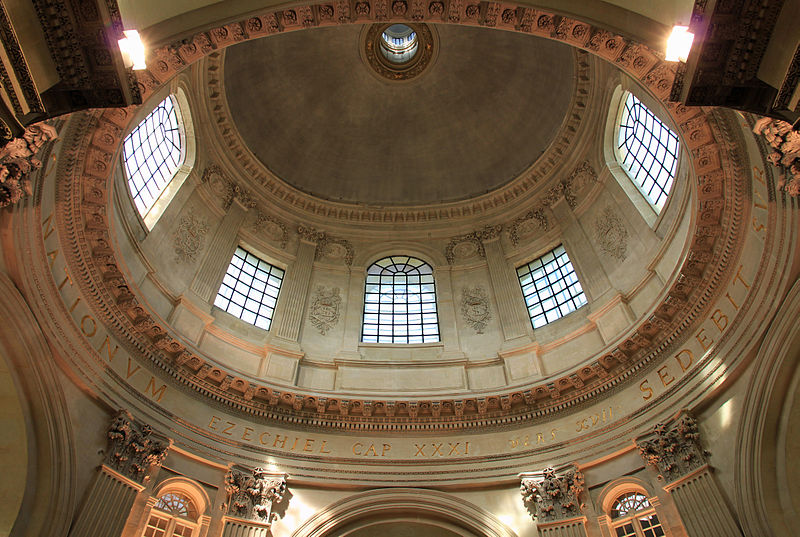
pixel 436 507
pixel 648 516
pixel 620 486
pixel 188 487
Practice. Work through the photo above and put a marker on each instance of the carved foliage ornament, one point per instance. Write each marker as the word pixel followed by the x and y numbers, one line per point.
pixel 673 448
pixel 324 310
pixel 475 308
pixel 252 493
pixel 471 244
pixel 611 234
pixel 554 494
pixel 189 237
pixel 274 229
pixel 327 246
pixel 786 155
pixel 132 448
pixel 17 161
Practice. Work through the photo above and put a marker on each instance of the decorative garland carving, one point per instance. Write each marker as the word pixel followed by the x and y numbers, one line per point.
pixel 324 310
pixel 17 161
pixel 189 237
pixel 275 229
pixel 475 307
pixel 611 234
pixel 133 448
pixel 327 245
pixel 84 225
pixel 252 493
pixel 786 155
pixel 673 448
pixel 471 244
pixel 555 495
pixel 522 225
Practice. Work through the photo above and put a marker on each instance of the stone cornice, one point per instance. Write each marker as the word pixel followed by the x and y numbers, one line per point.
pixel 84 225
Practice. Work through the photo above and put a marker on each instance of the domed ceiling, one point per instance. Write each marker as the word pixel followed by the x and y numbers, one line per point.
pixel 310 108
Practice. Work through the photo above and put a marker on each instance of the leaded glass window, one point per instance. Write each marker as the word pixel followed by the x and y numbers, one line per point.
pixel 174 515
pixel 550 287
pixel 633 516
pixel 648 150
pixel 400 302
pixel 250 289
pixel 152 153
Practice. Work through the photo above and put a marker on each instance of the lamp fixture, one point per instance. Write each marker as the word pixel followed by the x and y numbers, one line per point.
pixel 679 44
pixel 132 48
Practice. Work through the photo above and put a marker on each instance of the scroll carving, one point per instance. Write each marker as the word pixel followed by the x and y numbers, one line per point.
pixel 674 448
pixel 17 161
pixel 555 494
pixel 133 448
pixel 475 308
pixel 611 234
pixel 471 244
pixel 252 493
pixel 226 189
pixel 189 237
pixel 274 228
pixel 327 245
pixel 324 310
pixel 785 143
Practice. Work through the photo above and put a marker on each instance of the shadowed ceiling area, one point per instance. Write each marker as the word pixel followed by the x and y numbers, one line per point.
pixel 311 110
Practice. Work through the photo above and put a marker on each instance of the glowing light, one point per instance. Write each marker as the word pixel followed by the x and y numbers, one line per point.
pixel 679 44
pixel 133 52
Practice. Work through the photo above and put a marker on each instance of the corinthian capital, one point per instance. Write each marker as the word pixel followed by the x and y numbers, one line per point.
pixel 133 448
pixel 252 493
pixel 673 447
pixel 554 493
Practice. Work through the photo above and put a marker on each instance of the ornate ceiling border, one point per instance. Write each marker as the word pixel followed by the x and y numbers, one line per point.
pixel 85 193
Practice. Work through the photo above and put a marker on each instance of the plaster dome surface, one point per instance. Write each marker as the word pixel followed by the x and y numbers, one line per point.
pixel 310 108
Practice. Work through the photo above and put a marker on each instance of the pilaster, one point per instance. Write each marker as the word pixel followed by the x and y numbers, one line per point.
pixel 133 451
pixel 294 292
pixel 505 284
pixel 674 450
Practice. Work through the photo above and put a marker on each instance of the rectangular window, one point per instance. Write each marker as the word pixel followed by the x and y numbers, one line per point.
pixel 550 287
pixel 250 288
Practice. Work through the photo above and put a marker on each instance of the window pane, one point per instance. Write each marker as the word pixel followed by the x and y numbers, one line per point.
pixel 405 302
pixel 556 291
pixel 648 150
pixel 152 153
pixel 245 296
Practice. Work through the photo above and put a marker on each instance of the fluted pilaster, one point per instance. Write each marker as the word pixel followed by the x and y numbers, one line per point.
pixel 217 258
pixel 506 290
pixel 294 293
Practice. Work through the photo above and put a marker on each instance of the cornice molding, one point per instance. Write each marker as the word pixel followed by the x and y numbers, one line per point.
pixel 84 225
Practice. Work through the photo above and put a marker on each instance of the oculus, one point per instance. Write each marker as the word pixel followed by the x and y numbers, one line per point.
pixel 399 51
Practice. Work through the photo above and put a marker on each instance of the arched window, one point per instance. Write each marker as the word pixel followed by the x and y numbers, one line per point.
pixel 647 150
pixel 250 289
pixel 152 154
pixel 174 514
pixel 633 516
pixel 550 287
pixel 400 302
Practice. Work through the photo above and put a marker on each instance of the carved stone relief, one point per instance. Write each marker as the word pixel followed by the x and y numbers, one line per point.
pixel 527 224
pixel 555 495
pixel 189 237
pixel 324 310
pixel 471 244
pixel 272 229
pixel 611 234
pixel 673 448
pixel 475 308
pixel 17 161
pixel 132 448
pixel 786 155
pixel 226 189
pixel 252 493
pixel 327 245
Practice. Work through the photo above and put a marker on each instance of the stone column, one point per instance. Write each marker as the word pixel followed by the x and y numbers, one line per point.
pixel 674 450
pixel 217 258
pixel 505 285
pixel 294 291
pixel 554 493
pixel 251 495
pixel 133 450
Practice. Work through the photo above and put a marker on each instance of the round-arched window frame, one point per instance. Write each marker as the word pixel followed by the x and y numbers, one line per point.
pixel 173 515
pixel 400 302
pixel 152 154
pixel 632 515
pixel 647 149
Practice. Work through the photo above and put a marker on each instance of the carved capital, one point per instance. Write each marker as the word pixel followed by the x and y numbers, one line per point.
pixel 252 493
pixel 133 448
pixel 327 245
pixel 673 447
pixel 785 143
pixel 17 161
pixel 553 492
